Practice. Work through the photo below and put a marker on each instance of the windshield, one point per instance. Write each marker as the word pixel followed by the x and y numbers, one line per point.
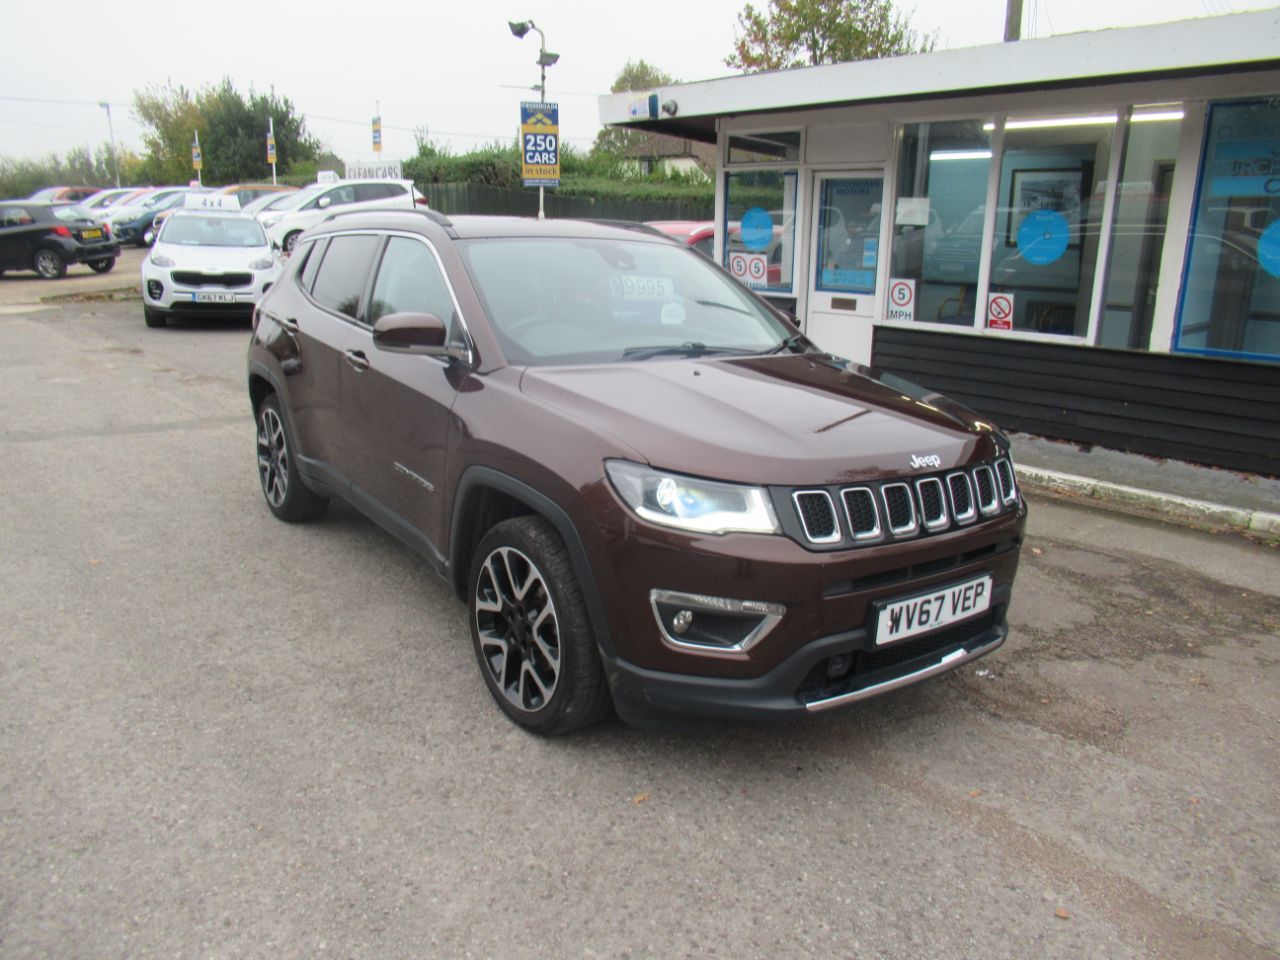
pixel 197 231
pixel 564 300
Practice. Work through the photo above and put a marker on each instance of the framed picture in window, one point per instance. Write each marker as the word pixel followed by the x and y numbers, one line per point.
pixel 1062 190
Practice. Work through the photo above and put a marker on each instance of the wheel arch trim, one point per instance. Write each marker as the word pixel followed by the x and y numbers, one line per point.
pixel 475 477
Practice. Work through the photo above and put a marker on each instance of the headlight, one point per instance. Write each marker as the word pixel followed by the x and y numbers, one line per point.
pixel 263 264
pixel 160 260
pixel 690 503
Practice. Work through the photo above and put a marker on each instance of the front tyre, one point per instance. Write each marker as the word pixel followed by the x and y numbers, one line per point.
pixel 532 636
pixel 154 318
pixel 291 241
pixel 287 496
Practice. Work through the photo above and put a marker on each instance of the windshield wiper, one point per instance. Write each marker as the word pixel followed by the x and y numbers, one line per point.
pixel 689 348
pixel 723 306
pixel 796 340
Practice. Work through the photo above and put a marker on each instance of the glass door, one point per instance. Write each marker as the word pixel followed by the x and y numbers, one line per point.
pixel 844 276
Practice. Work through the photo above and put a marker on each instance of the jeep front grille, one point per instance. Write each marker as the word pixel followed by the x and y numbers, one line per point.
pixel 902 509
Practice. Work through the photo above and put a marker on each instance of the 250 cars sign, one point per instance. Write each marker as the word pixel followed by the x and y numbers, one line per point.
pixel 540 144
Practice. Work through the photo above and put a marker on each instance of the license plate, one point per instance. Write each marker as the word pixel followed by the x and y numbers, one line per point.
pixel 930 611
pixel 215 298
pixel 90 234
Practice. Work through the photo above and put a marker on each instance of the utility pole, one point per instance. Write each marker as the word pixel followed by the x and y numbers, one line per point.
pixel 115 164
pixel 518 29
pixel 1012 20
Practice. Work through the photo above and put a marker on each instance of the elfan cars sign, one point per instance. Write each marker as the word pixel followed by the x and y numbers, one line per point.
pixel 381 170
pixel 540 144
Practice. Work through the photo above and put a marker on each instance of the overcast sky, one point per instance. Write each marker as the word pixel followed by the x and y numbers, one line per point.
pixel 450 67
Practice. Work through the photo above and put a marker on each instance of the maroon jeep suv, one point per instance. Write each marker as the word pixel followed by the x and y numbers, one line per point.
pixel 651 491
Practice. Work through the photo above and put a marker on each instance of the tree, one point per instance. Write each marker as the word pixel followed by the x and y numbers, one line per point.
pixel 805 33
pixel 635 75
pixel 233 133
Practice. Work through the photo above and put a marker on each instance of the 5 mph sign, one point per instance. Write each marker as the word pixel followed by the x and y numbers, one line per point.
pixel 902 300
pixel 751 268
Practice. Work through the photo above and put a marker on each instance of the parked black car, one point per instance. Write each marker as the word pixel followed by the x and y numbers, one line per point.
pixel 45 237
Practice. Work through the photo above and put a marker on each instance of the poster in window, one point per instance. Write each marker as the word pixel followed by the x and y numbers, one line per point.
pixel 1061 191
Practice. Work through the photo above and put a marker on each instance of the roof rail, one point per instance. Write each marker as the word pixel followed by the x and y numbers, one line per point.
pixel 427 212
pixel 636 225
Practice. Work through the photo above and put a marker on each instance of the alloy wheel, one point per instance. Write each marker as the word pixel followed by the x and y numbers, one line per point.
pixel 48 264
pixel 273 457
pixel 518 629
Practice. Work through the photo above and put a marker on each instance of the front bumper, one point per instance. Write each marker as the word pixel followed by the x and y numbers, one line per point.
pixel 822 652
pixel 161 291
pixel 799 684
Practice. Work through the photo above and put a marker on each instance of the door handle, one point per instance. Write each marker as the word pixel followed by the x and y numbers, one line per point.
pixel 358 360
pixel 289 323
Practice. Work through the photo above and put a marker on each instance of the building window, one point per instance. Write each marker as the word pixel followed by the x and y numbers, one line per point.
pixel 1138 226
pixel 760 228
pixel 781 147
pixel 938 218
pixel 1231 287
pixel 1052 190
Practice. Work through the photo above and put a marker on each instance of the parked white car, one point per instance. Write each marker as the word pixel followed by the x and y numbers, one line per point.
pixel 313 204
pixel 207 263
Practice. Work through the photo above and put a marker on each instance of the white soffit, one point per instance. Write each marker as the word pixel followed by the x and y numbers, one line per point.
pixel 1121 53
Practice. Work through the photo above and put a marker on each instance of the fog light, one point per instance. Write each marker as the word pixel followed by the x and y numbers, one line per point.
pixel 839 665
pixel 155 289
pixel 713 624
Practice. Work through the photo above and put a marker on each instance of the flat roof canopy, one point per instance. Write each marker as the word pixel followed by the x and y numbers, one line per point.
pixel 1201 47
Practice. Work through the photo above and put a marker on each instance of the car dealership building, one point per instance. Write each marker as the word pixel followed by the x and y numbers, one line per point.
pixel 1079 236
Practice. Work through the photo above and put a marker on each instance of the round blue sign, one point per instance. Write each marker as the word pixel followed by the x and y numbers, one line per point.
pixel 756 229
pixel 1269 249
pixel 1043 236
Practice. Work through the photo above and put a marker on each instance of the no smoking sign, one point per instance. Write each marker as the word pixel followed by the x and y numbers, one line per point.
pixel 902 300
pixel 751 268
pixel 1000 311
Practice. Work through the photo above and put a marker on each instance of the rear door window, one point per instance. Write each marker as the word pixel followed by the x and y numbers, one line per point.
pixel 344 272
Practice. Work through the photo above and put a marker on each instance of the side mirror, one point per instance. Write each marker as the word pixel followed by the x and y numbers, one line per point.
pixel 324 202
pixel 422 333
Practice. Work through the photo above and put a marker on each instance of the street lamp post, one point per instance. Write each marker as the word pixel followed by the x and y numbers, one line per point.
pixel 518 30
pixel 115 164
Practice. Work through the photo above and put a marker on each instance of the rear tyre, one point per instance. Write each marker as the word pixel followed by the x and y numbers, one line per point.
pixel 287 496
pixel 154 318
pixel 529 625
pixel 102 266
pixel 49 265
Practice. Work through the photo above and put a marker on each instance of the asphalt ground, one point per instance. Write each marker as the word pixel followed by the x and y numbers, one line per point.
pixel 224 736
